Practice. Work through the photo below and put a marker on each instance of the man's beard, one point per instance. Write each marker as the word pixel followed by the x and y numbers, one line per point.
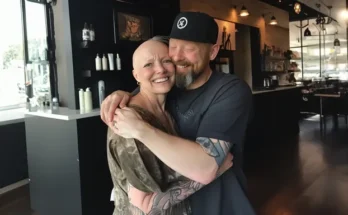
pixel 182 81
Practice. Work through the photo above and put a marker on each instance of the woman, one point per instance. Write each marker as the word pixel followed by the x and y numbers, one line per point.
pixel 135 170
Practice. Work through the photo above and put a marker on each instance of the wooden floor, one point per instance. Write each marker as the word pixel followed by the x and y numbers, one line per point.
pixel 305 175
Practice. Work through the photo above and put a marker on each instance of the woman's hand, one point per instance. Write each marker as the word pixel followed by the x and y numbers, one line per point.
pixel 127 122
pixel 227 164
pixel 140 199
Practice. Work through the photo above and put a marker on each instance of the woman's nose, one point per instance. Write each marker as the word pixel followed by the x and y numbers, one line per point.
pixel 159 68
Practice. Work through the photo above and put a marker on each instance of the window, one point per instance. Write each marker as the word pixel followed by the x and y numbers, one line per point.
pixel 24 69
pixel 318 57
pixel 12 61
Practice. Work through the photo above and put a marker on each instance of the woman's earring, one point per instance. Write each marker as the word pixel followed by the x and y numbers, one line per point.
pixel 138 83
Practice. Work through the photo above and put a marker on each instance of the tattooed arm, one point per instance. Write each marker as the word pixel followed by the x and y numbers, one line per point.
pixel 155 203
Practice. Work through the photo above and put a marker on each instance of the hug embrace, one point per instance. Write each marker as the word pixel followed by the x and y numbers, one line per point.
pixel 175 145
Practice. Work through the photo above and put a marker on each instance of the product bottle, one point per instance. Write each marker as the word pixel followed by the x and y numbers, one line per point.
pixel 91 33
pixel 101 91
pixel 82 99
pixel 118 62
pixel 111 61
pixel 85 33
pixel 105 63
pixel 88 100
pixel 55 104
pixel 98 63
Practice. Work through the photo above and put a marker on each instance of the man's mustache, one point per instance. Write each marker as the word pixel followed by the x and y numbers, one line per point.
pixel 182 62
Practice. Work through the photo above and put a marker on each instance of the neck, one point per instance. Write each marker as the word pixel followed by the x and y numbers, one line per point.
pixel 202 79
pixel 150 101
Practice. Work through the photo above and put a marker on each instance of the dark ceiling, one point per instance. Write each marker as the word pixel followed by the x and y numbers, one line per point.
pixel 288 5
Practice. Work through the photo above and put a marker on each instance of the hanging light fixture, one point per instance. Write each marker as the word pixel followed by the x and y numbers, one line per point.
pixel 244 11
pixel 297 8
pixel 337 42
pixel 273 21
pixel 307 32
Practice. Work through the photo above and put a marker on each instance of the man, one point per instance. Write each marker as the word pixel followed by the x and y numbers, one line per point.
pixel 211 110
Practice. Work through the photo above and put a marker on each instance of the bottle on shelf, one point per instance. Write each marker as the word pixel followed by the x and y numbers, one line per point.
pixel 101 91
pixel 98 63
pixel 85 33
pixel 111 61
pixel 81 99
pixel 91 33
pixel 88 100
pixel 118 62
pixel 55 103
pixel 105 63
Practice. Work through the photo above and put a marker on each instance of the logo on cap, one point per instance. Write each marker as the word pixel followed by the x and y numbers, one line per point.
pixel 182 22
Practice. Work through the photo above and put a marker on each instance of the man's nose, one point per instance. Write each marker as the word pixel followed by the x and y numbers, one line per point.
pixel 177 55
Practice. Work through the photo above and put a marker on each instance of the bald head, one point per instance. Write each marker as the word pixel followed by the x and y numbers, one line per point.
pixel 147 51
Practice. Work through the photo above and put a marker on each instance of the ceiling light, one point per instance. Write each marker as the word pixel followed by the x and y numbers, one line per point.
pixel 297 8
pixel 273 21
pixel 244 12
pixel 337 42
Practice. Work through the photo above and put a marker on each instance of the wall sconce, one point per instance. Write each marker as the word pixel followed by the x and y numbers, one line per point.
pixel 297 8
pixel 273 21
pixel 244 11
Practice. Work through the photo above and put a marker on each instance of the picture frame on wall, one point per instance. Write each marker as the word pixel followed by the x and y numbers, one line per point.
pixel 132 27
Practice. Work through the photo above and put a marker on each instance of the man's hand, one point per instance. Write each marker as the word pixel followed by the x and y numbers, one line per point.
pixel 111 103
pixel 127 123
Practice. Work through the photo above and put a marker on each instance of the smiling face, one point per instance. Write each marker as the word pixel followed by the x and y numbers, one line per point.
pixel 153 68
pixel 191 60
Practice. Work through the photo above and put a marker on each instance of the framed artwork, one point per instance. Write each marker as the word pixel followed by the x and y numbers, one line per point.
pixel 132 27
pixel 227 34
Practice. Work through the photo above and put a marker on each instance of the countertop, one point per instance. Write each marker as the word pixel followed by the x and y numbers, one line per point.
pixel 12 116
pixel 63 113
pixel 276 89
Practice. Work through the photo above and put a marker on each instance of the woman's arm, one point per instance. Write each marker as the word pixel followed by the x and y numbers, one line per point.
pixel 152 203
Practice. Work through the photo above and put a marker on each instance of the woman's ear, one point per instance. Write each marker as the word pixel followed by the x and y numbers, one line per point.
pixel 135 75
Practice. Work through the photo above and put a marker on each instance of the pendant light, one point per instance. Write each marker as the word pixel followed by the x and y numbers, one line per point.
pixel 273 21
pixel 307 32
pixel 337 42
pixel 244 11
pixel 297 8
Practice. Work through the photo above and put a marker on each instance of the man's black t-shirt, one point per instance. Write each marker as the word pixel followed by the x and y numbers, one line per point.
pixel 219 109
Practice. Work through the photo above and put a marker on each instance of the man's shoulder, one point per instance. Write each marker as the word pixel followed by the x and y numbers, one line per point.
pixel 230 83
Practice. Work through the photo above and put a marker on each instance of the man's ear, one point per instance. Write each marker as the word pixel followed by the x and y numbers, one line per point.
pixel 214 50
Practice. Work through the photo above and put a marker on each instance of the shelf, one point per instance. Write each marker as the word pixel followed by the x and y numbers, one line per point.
pixel 87 44
pixel 273 72
pixel 275 58
pixel 91 73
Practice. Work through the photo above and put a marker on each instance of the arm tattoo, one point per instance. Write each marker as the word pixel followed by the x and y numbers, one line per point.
pixel 215 148
pixel 174 195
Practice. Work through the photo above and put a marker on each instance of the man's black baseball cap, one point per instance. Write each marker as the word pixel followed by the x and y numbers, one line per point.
pixel 196 27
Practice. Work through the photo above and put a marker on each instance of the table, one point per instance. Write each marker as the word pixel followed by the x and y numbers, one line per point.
pixel 321 96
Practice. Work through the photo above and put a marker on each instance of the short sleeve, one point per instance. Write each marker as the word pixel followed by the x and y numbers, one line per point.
pixel 228 115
